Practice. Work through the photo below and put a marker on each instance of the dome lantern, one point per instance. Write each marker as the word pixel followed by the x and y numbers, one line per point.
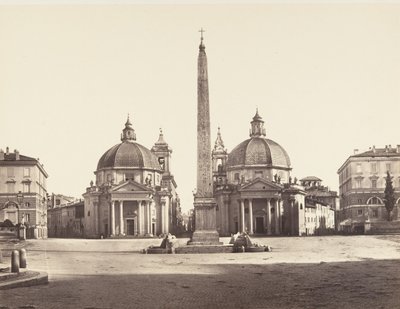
pixel 257 126
pixel 128 133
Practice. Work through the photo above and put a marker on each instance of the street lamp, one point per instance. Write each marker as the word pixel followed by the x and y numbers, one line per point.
pixel 22 230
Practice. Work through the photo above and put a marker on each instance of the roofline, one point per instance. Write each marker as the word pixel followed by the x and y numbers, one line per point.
pixel 33 162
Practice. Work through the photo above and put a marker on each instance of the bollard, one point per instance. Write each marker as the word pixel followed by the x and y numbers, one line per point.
pixel 22 258
pixel 15 261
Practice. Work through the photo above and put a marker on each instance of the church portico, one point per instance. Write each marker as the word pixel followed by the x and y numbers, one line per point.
pixel 260 215
pixel 132 216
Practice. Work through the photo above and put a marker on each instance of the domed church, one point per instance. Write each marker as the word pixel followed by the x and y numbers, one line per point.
pixel 134 193
pixel 253 187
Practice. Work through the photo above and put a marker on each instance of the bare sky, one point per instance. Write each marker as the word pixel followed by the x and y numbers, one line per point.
pixel 325 78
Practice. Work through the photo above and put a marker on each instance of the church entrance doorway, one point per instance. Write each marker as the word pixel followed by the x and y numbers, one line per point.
pixel 130 227
pixel 259 225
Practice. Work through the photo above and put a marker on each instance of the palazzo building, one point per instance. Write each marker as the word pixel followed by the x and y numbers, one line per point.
pixel 135 191
pixel 362 181
pixel 23 193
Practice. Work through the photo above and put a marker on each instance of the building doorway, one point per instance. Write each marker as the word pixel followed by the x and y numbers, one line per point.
pixel 130 227
pixel 259 225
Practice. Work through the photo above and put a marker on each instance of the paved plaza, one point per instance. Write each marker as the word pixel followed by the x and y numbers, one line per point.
pixel 313 272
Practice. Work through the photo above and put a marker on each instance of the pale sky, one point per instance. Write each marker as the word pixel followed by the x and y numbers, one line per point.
pixel 325 78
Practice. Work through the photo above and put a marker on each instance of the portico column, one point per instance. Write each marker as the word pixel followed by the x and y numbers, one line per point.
pixel 280 215
pixel 148 217
pixel 292 217
pixel 269 216
pixel 121 218
pixel 167 215
pixel 277 211
pixel 112 218
pixel 242 227
pixel 162 215
pixel 251 215
pixel 138 219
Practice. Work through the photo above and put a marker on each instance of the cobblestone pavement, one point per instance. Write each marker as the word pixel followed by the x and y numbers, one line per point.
pixel 314 272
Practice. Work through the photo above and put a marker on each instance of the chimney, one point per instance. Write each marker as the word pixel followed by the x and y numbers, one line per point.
pixel 398 149
pixel 7 151
pixel 16 154
pixel 1 154
pixel 355 151
pixel 373 149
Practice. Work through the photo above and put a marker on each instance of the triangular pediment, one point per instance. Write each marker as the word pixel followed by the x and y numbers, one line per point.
pixel 260 184
pixel 130 186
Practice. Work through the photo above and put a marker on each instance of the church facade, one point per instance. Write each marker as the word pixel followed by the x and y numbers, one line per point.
pixel 253 187
pixel 135 191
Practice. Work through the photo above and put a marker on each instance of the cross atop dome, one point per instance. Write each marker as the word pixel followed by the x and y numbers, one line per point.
pixel 128 133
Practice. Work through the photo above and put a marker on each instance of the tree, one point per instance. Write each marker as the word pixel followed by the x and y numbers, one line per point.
pixel 389 199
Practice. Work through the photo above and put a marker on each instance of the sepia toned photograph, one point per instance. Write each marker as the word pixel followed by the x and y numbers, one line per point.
pixel 199 154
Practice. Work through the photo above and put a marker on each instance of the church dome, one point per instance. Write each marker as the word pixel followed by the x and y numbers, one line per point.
pixel 129 154
pixel 258 151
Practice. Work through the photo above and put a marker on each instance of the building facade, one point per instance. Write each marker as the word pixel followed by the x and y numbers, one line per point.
pixel 66 220
pixel 23 193
pixel 135 191
pixel 362 181
pixel 254 189
pixel 324 203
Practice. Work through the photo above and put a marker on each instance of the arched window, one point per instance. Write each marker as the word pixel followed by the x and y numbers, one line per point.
pixel 374 201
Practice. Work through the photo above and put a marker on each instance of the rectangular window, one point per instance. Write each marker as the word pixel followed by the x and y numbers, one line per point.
pixel 27 172
pixel 373 167
pixel 237 176
pixel 358 183
pixel 359 168
pixel 11 187
pixel 373 183
pixel 375 213
pixel 27 187
pixel 258 174
pixel 359 212
pixel 10 172
pixel 109 177
pixel 388 167
pixel 129 176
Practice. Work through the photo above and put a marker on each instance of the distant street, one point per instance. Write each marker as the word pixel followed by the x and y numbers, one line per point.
pixel 315 272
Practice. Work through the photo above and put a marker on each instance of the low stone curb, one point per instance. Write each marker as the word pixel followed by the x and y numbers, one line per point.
pixel 29 278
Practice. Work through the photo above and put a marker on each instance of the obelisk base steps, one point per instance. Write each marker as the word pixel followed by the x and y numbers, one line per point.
pixel 205 237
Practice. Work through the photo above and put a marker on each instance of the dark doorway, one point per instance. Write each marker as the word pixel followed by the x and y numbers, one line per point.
pixel 259 225
pixel 130 227
pixel 153 228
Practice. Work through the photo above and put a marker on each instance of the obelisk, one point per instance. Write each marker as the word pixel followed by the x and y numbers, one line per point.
pixel 204 203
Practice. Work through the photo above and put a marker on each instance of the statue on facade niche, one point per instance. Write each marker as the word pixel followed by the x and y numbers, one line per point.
pixel 295 181
pixel 148 180
pixel 279 179
pixel 91 183
pixel 290 180
pixel 276 177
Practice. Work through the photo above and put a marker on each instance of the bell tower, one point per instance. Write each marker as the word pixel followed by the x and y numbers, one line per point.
pixel 219 157
pixel 163 153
